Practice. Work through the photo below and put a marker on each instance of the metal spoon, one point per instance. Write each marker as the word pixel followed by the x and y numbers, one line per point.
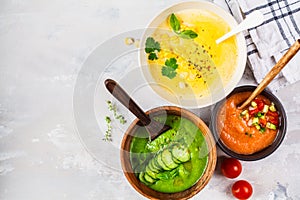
pixel 252 20
pixel 153 127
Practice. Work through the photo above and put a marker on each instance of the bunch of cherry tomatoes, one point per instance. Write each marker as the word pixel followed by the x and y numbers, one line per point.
pixel 232 168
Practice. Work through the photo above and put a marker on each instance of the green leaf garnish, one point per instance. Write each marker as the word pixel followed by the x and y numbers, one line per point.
pixel 169 70
pixel 152 56
pixel 107 136
pixel 174 23
pixel 172 62
pixel 188 34
pixel 113 108
pixel 262 130
pixel 152 45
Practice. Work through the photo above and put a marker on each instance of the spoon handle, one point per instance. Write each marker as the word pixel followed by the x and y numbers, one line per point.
pixel 117 91
pixel 274 71
pixel 252 20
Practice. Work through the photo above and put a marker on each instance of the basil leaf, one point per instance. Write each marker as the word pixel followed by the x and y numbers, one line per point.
pixel 188 34
pixel 174 23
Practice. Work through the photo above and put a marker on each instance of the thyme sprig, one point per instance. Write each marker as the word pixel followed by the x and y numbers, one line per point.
pixel 113 108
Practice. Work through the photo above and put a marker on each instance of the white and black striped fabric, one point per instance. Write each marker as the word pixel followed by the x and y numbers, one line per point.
pixel 267 43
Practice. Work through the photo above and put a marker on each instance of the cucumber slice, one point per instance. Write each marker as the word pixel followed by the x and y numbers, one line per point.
pixel 148 178
pixel 149 166
pixel 161 163
pixel 272 107
pixel 142 179
pixel 176 160
pixel 155 166
pixel 271 126
pixel 265 109
pixel 150 173
pixel 253 104
pixel 181 154
pixel 167 158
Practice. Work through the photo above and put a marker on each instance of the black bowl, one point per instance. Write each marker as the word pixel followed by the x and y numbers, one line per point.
pixel 266 151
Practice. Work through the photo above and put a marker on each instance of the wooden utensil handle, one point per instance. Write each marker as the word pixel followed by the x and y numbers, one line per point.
pixel 117 91
pixel 274 71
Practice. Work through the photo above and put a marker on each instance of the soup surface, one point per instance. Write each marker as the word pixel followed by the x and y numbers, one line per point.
pixel 242 133
pixel 175 160
pixel 201 64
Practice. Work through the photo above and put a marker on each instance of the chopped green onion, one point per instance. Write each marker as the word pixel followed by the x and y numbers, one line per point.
pixel 259 115
pixel 262 130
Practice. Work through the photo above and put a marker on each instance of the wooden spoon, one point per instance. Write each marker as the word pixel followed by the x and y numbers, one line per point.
pixel 274 71
pixel 153 127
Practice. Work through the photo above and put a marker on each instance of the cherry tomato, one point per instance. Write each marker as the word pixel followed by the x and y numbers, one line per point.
pixel 231 167
pixel 273 120
pixel 263 122
pixel 274 114
pixel 242 189
pixel 260 104
pixel 254 111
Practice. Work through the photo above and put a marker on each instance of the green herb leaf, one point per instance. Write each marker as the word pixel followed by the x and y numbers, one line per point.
pixel 172 62
pixel 174 23
pixel 152 56
pixel 107 119
pixel 113 108
pixel 262 130
pixel 152 45
pixel 107 136
pixel 169 70
pixel 188 34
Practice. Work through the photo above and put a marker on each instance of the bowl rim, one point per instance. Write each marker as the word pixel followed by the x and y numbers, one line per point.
pixel 220 92
pixel 264 152
pixel 188 193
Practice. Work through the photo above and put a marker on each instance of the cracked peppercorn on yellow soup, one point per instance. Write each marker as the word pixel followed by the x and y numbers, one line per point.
pixel 184 57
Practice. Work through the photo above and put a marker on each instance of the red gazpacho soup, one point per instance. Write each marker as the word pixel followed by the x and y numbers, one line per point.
pixel 250 130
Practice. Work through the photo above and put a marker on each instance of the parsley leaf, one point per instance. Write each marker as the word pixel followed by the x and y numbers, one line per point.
pixel 152 56
pixel 174 23
pixel 152 45
pixel 169 70
pixel 172 62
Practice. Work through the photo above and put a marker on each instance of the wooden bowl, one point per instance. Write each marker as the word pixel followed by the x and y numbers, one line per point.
pixel 145 190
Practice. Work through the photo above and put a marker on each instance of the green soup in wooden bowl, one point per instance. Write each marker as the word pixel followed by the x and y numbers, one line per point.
pixel 177 164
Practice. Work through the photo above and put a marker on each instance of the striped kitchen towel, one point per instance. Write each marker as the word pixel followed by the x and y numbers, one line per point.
pixel 267 43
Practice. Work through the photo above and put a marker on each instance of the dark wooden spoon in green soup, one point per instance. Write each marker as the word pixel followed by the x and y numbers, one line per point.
pixel 153 127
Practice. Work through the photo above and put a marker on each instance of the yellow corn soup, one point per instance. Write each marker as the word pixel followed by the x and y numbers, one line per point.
pixel 201 62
